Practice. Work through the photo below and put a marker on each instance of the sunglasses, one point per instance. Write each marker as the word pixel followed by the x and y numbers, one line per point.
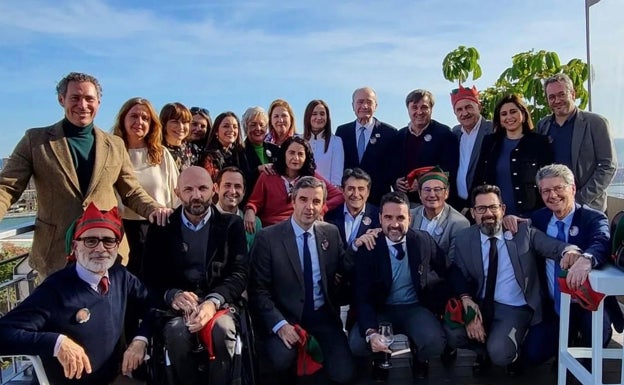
pixel 199 110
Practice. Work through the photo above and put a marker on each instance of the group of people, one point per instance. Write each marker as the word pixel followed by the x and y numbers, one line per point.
pixel 296 226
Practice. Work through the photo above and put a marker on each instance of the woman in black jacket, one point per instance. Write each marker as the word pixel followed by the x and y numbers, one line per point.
pixel 511 156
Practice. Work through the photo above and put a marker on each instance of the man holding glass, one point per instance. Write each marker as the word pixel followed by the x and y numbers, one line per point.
pixel 390 274
pixel 498 270
pixel 196 265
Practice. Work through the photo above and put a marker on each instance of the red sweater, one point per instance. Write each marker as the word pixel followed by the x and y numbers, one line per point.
pixel 270 200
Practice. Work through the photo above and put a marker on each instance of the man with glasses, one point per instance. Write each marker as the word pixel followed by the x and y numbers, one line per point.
pixel 494 273
pixel 580 140
pixel 564 219
pixel 74 320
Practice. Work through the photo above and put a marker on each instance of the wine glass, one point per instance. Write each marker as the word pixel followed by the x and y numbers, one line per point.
pixel 189 313
pixel 387 338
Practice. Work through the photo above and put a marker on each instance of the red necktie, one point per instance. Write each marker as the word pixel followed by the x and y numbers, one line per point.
pixel 103 285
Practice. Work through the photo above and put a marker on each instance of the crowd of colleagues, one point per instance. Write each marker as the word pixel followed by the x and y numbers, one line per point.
pixel 397 224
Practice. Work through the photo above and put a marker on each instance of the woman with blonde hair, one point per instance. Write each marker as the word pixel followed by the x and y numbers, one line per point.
pixel 281 122
pixel 139 127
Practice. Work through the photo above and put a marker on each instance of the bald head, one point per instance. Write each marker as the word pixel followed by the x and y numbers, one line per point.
pixel 195 192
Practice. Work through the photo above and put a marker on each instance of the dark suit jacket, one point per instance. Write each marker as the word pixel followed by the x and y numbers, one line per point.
pixel 373 273
pixel 276 287
pixel 226 265
pixel 593 157
pixel 593 237
pixel 467 274
pixel 532 153
pixel 270 150
pixel 484 129
pixel 337 218
pixel 377 157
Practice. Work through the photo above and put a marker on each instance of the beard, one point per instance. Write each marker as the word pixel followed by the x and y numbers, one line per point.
pixel 95 265
pixel 196 207
pixel 489 229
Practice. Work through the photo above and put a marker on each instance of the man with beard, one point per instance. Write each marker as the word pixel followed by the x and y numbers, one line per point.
pixel 196 265
pixel 390 274
pixel 498 269
pixel 230 188
pixel 74 320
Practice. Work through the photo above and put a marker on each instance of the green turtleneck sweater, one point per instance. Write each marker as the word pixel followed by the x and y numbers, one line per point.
pixel 80 141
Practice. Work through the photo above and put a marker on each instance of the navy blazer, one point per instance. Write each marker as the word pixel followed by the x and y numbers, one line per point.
pixel 373 273
pixel 337 218
pixel 377 156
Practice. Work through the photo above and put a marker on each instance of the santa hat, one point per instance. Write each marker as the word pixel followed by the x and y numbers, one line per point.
pixel 309 354
pixel 424 174
pixel 94 218
pixel 464 93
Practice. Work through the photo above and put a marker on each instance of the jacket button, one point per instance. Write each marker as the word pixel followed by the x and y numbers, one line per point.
pixel 515 173
pixel 513 160
pixel 517 188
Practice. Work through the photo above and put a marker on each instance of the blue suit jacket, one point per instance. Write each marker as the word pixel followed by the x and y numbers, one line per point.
pixel 377 156
pixel 337 218
pixel 373 273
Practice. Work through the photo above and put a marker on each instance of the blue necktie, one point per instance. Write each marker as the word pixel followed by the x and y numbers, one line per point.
pixel 361 144
pixel 557 292
pixel 308 305
pixel 400 253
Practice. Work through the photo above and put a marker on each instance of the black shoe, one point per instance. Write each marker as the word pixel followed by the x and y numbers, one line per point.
pixel 448 356
pixel 481 364
pixel 420 370
pixel 515 368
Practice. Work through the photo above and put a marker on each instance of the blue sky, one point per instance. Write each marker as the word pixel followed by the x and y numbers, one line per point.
pixel 229 55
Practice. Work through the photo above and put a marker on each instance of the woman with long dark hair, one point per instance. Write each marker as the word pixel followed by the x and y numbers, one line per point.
pixel 224 147
pixel 327 148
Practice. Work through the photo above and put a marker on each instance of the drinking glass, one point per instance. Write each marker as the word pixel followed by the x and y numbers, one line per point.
pixel 387 338
pixel 189 314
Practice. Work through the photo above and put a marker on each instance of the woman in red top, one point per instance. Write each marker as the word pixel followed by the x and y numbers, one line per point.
pixel 271 196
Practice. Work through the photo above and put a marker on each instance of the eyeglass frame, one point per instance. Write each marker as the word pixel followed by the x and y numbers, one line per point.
pixel 199 110
pixel 435 190
pixel 102 240
pixel 495 208
pixel 558 189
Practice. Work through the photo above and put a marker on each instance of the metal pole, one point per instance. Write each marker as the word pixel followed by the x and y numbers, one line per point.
pixel 589 68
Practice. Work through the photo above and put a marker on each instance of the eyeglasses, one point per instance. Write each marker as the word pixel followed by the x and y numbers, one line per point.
pixel 199 110
pixel 92 242
pixel 435 190
pixel 482 209
pixel 558 189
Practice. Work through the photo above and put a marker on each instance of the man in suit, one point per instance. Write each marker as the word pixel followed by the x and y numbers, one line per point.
pixel 74 320
pixel 470 131
pixel 390 274
pixel 423 142
pixel 580 140
pixel 196 265
pixel 72 163
pixel 296 269
pixel 367 142
pixel 357 216
pixel 498 270
pixel 586 228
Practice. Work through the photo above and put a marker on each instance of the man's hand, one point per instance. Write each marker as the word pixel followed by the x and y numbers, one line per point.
pixel 250 221
pixel 468 303
pixel 569 258
pixel 184 300
pixel 160 216
pixel 204 313
pixel 288 335
pixel 475 329
pixel 378 346
pixel 369 239
pixel 73 359
pixel 510 222
pixel 133 356
pixel 577 274
pixel 402 185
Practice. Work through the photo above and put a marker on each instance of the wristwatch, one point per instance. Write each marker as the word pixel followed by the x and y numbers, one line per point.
pixel 215 301
pixel 591 258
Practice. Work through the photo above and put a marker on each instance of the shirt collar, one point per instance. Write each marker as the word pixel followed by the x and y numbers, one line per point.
pixel 486 238
pixel 239 212
pixel 201 223
pixel 391 243
pixel 567 219
pixel 475 129
pixel 347 212
pixel 298 230
pixel 368 126
pixel 89 277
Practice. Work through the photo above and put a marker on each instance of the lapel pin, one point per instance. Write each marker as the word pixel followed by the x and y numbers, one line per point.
pixel 325 244
pixel 366 221
pixel 574 231
pixel 83 315
pixel 268 153
pixel 508 235
pixel 377 135
pixel 428 138
pixel 373 140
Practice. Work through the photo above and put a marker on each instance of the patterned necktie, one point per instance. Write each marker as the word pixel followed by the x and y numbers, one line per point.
pixel 308 283
pixel 103 286
pixel 361 144
pixel 490 284
pixel 557 290
pixel 400 253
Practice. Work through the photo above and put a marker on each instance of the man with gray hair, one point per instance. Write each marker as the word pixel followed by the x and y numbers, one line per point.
pixel 73 163
pixel 568 221
pixel 297 267
pixel 580 140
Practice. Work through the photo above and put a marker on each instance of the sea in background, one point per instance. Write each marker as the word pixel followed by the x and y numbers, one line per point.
pixel 17 220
